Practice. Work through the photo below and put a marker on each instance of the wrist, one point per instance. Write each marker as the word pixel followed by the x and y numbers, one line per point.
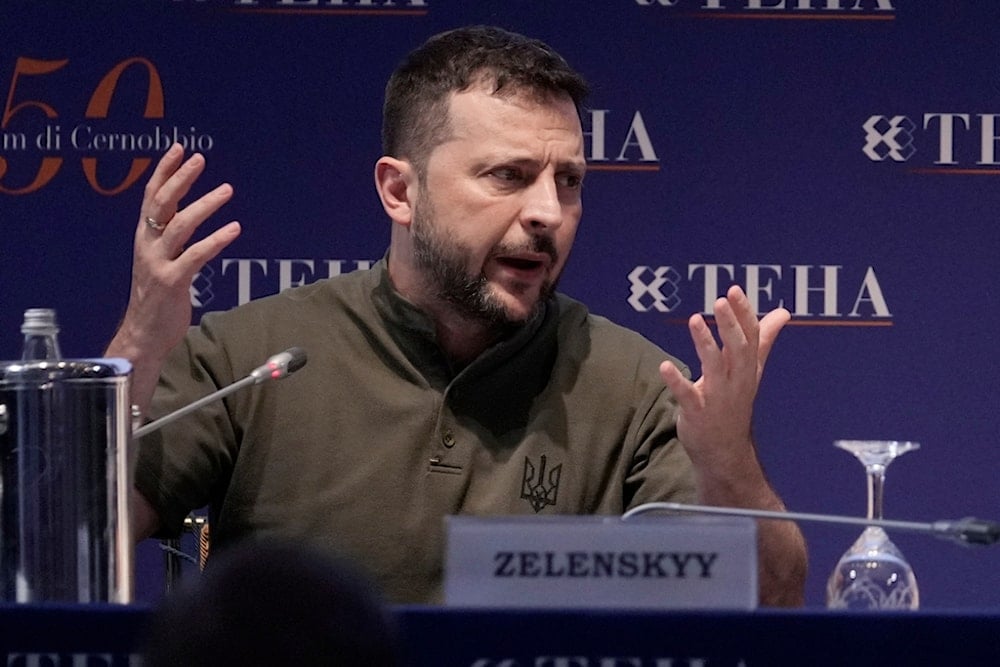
pixel 735 480
pixel 137 346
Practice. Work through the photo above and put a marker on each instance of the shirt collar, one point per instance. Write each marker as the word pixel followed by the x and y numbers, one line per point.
pixel 415 333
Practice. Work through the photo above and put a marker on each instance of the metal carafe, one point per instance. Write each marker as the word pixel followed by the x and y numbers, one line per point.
pixel 65 479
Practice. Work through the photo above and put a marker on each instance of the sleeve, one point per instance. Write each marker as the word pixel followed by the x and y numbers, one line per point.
pixel 660 469
pixel 187 463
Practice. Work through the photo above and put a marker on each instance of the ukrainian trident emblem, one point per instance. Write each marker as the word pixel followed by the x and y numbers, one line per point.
pixel 538 487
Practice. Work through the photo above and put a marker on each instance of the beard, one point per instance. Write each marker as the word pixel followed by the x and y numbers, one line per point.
pixel 445 263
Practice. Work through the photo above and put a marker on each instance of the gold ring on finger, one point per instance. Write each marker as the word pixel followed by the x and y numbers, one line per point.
pixel 154 225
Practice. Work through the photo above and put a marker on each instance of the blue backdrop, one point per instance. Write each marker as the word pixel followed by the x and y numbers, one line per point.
pixel 837 157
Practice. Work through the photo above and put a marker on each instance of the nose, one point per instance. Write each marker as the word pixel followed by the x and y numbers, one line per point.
pixel 542 210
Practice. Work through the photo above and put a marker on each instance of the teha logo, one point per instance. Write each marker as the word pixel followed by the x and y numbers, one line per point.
pixel 780 9
pixel 831 295
pixel 538 486
pixel 240 280
pixel 342 7
pixel 619 141
pixel 201 288
pixel 953 140
pixel 655 289
pixel 889 138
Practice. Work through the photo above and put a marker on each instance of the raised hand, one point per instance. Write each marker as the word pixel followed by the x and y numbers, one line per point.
pixel 163 266
pixel 714 426
pixel 714 422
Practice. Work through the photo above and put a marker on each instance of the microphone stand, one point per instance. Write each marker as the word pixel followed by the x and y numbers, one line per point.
pixel 278 366
pixel 188 409
pixel 967 531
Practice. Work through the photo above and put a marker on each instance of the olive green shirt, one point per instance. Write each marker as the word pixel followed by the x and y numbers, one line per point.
pixel 366 448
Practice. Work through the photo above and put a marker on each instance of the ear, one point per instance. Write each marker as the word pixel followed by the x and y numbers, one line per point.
pixel 396 182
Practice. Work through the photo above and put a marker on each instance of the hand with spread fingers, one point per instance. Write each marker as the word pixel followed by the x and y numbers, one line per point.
pixel 716 410
pixel 163 266
pixel 714 426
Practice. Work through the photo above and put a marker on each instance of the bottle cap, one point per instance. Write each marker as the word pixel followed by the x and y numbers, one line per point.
pixel 39 321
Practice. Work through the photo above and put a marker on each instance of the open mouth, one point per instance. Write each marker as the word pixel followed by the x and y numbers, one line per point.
pixel 520 263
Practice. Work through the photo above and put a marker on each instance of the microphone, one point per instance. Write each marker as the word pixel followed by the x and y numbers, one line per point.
pixel 967 531
pixel 276 367
pixel 280 365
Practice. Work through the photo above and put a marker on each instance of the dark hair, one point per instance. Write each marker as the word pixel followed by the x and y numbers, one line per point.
pixel 415 114
pixel 273 603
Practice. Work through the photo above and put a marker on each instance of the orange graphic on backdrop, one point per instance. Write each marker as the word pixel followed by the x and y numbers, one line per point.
pixel 98 107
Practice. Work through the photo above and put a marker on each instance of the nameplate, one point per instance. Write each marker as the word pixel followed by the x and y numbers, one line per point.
pixel 588 561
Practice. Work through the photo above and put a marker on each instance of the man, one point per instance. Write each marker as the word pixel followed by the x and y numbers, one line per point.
pixel 451 378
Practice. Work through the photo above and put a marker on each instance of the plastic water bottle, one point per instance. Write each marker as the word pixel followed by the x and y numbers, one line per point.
pixel 41 335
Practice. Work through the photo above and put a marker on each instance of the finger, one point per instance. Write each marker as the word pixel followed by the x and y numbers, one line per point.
pixel 731 330
pixel 739 332
pixel 770 326
pixel 738 361
pixel 186 222
pixel 165 190
pixel 151 221
pixel 705 346
pixel 745 314
pixel 682 388
pixel 164 169
pixel 167 198
pixel 195 257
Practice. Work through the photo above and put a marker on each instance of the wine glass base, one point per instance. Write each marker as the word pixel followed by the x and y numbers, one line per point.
pixel 873 575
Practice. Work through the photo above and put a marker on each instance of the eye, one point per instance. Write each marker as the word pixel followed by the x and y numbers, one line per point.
pixel 569 180
pixel 510 174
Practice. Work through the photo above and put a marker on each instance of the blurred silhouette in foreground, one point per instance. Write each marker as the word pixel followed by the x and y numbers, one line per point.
pixel 272 603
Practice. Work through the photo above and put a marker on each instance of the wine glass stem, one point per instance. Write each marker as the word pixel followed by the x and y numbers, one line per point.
pixel 876 483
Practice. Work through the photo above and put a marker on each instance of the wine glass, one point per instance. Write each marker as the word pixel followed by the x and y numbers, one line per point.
pixel 873 574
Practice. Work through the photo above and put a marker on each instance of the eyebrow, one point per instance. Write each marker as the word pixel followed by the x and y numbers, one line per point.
pixel 571 165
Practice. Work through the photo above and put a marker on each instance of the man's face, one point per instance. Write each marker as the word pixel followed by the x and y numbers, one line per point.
pixel 499 203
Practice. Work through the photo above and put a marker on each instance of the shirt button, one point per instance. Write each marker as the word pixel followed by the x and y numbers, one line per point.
pixel 448 439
